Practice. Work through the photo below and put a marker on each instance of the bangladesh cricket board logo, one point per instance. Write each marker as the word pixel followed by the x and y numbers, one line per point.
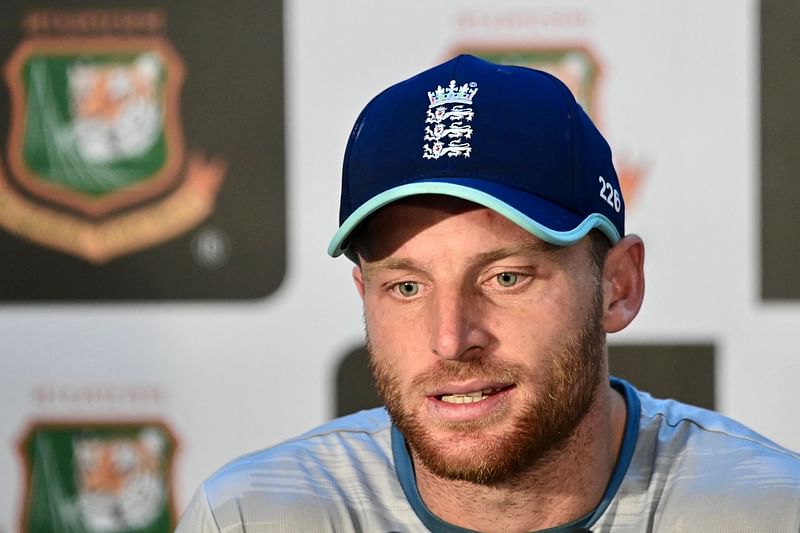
pixel 96 155
pixel 98 478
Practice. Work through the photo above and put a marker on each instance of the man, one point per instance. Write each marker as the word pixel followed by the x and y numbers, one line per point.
pixel 484 216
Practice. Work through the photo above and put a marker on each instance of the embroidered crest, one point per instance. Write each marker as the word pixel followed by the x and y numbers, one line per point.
pixel 448 117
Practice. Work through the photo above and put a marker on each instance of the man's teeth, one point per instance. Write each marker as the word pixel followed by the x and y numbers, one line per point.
pixel 470 397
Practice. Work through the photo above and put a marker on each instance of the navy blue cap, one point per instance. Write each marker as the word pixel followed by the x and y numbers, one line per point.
pixel 509 138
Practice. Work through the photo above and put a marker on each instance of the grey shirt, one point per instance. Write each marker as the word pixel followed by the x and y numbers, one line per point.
pixel 681 469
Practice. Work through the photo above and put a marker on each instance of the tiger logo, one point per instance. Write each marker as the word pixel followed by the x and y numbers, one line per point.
pixel 119 481
pixel 116 110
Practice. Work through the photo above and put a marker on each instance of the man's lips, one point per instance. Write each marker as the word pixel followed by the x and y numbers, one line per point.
pixel 469 392
pixel 464 404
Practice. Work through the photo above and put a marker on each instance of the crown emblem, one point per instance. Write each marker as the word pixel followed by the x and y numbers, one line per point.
pixel 453 94
pixel 448 118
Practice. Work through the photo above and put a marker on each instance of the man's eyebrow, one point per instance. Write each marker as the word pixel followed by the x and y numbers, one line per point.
pixel 389 263
pixel 533 248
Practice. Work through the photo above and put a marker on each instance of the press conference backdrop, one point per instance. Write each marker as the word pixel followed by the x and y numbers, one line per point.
pixel 169 181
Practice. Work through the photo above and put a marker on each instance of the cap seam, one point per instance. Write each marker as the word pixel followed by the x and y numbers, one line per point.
pixel 570 104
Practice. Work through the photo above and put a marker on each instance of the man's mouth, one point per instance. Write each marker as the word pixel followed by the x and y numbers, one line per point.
pixel 471 397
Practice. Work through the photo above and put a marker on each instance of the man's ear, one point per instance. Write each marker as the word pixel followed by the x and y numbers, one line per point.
pixel 358 278
pixel 623 283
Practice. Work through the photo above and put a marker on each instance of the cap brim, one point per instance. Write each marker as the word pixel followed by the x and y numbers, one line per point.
pixel 546 220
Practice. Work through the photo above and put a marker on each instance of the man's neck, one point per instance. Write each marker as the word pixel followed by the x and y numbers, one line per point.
pixel 554 492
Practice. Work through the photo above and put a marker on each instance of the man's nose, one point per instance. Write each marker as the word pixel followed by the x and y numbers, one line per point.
pixel 457 325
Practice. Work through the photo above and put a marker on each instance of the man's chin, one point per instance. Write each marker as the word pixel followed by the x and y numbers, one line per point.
pixel 465 451
pixel 470 433
pixel 470 460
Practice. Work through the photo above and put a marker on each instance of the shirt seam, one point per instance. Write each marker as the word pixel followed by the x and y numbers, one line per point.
pixel 208 506
pixel 684 419
pixel 300 439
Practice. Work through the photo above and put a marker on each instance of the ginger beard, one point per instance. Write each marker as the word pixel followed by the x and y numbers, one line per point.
pixel 562 399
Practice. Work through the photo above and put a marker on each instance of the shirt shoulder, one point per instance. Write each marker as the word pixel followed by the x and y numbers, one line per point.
pixel 339 476
pixel 676 431
pixel 336 450
pixel 697 470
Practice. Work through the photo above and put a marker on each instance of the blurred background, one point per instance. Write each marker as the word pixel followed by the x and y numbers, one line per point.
pixel 169 180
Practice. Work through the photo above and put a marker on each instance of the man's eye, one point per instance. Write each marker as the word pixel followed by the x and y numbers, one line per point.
pixel 507 279
pixel 407 288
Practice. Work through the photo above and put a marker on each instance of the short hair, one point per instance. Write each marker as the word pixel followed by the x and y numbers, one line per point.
pixel 599 245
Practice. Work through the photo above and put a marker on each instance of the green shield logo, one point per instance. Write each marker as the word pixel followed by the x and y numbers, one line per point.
pixel 95 123
pixel 98 478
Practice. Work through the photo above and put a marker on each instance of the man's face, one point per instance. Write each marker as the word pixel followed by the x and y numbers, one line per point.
pixel 486 343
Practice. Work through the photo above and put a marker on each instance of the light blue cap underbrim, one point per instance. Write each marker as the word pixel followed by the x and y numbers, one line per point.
pixel 339 242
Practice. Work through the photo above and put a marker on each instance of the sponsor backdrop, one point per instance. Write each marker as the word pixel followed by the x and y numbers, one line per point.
pixel 125 173
pixel 169 181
